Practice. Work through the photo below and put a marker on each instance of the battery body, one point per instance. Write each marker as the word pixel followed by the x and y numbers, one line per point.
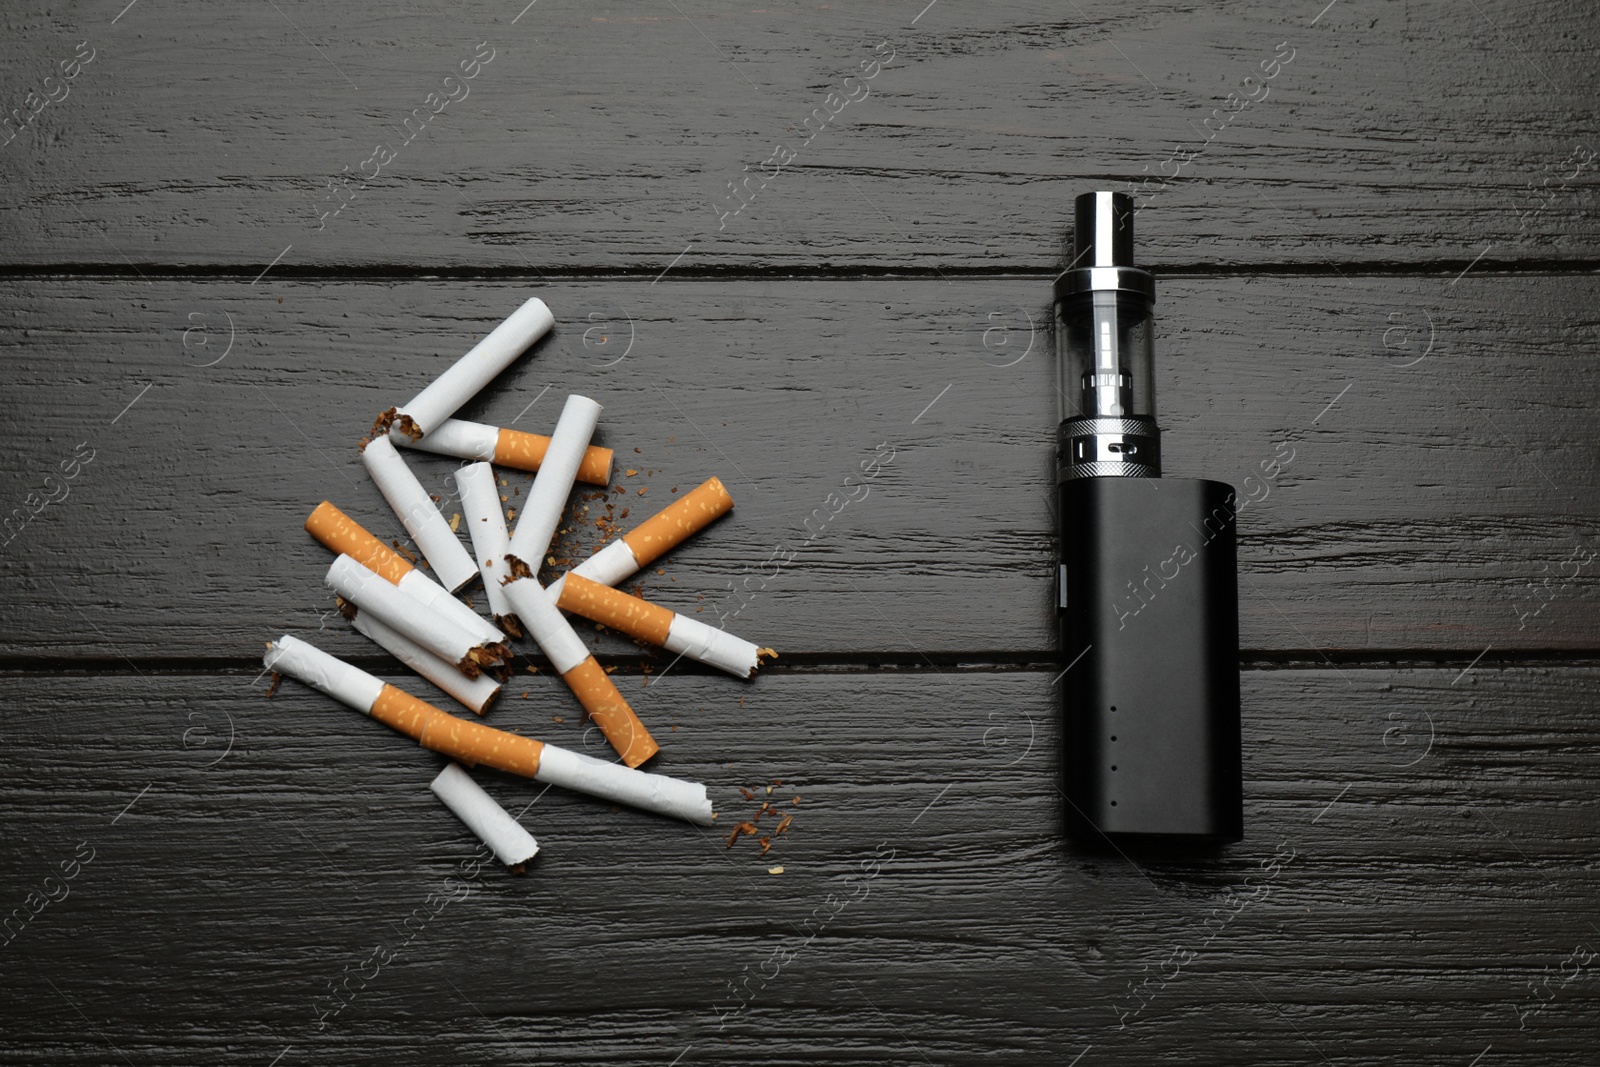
pixel 1148 605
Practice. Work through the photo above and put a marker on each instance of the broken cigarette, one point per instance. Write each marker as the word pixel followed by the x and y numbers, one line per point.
pixel 486 525
pixel 476 693
pixel 405 613
pixel 422 414
pixel 509 448
pixel 585 677
pixel 660 626
pixel 421 518
pixel 473 743
pixel 547 498
pixel 653 537
pixel 345 536
pixel 512 845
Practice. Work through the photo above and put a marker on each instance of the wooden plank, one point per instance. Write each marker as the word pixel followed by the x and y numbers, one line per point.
pixel 1427 497
pixel 1409 136
pixel 1418 890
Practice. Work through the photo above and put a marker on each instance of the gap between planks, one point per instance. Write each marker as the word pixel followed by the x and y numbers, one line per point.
pixel 867 662
pixel 1448 268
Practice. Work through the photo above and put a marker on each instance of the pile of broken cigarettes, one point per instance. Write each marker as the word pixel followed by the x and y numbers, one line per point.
pixel 420 621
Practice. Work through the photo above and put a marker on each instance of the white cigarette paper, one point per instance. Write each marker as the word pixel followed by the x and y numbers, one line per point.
pixel 709 645
pixel 512 845
pixel 476 693
pixel 546 625
pixel 419 416
pixel 615 782
pixel 348 685
pixel 409 616
pixel 452 563
pixel 454 437
pixel 608 566
pixel 547 497
pixel 486 525
pixel 434 595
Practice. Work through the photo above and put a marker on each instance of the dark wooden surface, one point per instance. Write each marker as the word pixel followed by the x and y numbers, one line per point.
pixel 1387 265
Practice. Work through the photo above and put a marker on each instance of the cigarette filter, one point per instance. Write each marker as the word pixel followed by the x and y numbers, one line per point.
pixel 587 680
pixel 452 563
pixel 512 845
pixel 653 537
pixel 551 486
pixel 486 524
pixel 404 613
pixel 476 693
pixel 419 416
pixel 509 448
pixel 473 743
pixel 345 536
pixel 659 626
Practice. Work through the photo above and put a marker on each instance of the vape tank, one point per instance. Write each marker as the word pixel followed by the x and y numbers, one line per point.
pixel 1148 594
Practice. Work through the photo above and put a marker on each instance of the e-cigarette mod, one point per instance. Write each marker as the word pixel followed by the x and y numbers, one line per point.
pixel 1148 596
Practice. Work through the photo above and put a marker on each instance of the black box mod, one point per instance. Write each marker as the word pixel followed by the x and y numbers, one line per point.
pixel 1148 595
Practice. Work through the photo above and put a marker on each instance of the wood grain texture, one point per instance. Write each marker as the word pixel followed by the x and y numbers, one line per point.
pixel 606 138
pixel 1385 265
pixel 1434 837
pixel 1437 505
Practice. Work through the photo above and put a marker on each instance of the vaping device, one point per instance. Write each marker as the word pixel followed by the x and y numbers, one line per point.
pixel 1148 590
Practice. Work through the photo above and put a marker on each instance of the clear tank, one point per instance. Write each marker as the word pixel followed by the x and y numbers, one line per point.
pixel 1105 353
